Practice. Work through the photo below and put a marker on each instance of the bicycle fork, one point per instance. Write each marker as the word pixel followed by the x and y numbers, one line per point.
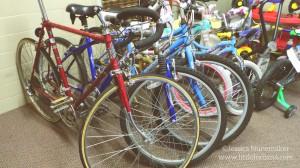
pixel 118 74
pixel 165 69
pixel 191 64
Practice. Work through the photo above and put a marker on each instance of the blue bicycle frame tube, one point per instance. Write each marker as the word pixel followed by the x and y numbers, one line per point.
pixel 91 58
pixel 191 64
pixel 105 83
pixel 75 51
pixel 189 57
pixel 167 88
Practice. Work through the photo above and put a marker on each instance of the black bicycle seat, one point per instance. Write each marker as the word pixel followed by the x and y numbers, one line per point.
pixel 82 10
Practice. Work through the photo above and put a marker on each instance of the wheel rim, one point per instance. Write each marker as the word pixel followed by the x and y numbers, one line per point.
pixel 133 137
pixel 234 122
pixel 210 125
pixel 25 57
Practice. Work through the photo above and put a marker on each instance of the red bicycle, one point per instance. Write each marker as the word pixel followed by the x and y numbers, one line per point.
pixel 128 130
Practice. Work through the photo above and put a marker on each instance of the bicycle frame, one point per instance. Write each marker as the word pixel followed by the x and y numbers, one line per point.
pixel 182 43
pixel 171 52
pixel 112 68
pixel 221 48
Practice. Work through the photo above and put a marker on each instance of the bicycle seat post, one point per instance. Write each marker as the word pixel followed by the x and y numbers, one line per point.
pixel 43 10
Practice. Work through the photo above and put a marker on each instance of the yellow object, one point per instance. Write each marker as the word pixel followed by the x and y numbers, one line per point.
pixel 294 6
pixel 224 35
pixel 147 60
pixel 176 23
pixel 101 62
pixel 240 3
pixel 244 49
pixel 272 8
pixel 144 62
pixel 216 24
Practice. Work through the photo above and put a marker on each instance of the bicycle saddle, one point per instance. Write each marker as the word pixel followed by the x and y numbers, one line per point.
pixel 82 10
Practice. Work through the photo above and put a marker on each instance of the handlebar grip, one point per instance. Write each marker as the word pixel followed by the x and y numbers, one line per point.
pixel 138 11
pixel 152 39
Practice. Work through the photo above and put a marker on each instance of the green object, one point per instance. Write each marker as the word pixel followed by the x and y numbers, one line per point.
pixel 203 25
pixel 281 98
pixel 294 33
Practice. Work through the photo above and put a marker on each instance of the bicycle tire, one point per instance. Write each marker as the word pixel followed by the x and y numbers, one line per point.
pixel 276 72
pixel 240 75
pixel 107 94
pixel 251 66
pixel 51 117
pixel 207 84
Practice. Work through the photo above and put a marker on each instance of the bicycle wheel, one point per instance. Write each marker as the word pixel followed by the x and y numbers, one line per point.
pixel 76 73
pixel 267 88
pixel 211 108
pixel 112 137
pixel 240 101
pixel 25 46
pixel 253 72
pixel 25 55
pixel 74 66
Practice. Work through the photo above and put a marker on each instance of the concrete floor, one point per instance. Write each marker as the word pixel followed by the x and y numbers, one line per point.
pixel 28 141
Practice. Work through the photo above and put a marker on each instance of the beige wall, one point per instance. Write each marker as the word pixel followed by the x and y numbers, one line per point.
pixel 18 19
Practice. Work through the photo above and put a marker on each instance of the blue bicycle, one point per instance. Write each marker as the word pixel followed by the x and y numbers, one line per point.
pixel 238 94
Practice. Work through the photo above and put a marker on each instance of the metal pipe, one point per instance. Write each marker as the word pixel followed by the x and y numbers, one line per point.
pixel 263 23
pixel 278 20
pixel 43 10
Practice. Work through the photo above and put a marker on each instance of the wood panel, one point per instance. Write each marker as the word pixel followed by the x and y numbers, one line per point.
pixel 119 3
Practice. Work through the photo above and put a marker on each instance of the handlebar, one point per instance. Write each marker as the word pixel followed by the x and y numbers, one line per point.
pixel 144 12
pixel 245 39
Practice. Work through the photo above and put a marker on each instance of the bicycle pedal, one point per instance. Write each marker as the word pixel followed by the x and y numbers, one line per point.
pixel 61 104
